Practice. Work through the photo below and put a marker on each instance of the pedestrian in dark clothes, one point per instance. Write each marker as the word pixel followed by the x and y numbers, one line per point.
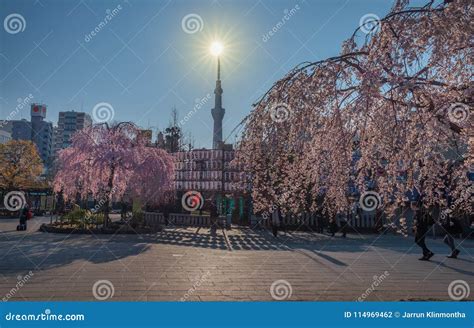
pixel 276 223
pixel 214 215
pixel 452 227
pixel 422 223
pixel 320 220
pixel 24 215
pixel 333 227
pixel 344 226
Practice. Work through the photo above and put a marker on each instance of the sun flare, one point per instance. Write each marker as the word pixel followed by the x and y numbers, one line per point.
pixel 216 48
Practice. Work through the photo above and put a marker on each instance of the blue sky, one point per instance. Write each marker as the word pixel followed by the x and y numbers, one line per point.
pixel 143 63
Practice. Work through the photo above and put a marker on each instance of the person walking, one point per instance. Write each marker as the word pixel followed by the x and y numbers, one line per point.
pixel 344 227
pixel 333 227
pixel 422 222
pixel 344 222
pixel 452 227
pixel 275 222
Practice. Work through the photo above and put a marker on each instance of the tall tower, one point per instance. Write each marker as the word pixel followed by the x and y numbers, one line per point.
pixel 218 112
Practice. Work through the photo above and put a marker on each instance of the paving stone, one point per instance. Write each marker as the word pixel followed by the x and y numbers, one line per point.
pixel 177 262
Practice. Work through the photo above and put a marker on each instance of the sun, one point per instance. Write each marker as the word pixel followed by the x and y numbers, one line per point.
pixel 216 48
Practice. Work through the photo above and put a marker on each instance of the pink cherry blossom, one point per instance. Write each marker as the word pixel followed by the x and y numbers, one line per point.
pixel 114 161
pixel 379 112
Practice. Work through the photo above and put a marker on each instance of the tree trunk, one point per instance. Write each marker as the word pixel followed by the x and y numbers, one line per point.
pixel 110 186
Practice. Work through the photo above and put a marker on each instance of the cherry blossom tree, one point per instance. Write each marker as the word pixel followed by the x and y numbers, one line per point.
pixel 112 161
pixel 390 114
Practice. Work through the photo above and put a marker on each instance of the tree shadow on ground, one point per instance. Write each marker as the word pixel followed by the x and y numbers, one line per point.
pixel 444 265
pixel 246 239
pixel 49 250
pixel 464 260
pixel 43 251
pixel 315 254
pixel 203 238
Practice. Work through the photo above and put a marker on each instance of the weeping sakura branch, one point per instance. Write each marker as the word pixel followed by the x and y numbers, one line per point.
pixel 391 114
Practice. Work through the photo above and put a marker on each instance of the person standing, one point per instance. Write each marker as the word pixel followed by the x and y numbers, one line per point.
pixel 422 222
pixel 24 213
pixel 320 220
pixel 166 213
pixel 214 215
pixel 452 227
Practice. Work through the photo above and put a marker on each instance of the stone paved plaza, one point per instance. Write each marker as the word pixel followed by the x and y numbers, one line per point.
pixel 239 264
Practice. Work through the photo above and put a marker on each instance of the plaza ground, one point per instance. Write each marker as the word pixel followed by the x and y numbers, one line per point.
pixel 239 264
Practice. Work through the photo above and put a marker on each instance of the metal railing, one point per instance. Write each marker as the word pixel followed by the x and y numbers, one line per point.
pixel 158 219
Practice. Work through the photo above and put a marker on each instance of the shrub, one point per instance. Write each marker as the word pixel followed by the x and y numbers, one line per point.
pixel 75 217
pixel 138 218
pixel 97 218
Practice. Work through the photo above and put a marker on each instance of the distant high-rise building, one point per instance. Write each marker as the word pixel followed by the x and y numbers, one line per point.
pixel 55 139
pixel 37 130
pixel 18 129
pixel 41 132
pixel 207 170
pixel 5 136
pixel 68 123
